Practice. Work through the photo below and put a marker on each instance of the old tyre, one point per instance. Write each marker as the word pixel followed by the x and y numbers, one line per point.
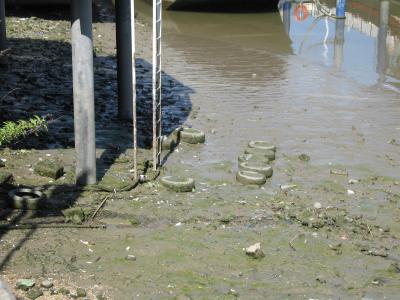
pixel 178 184
pixel 262 145
pixel 26 198
pixel 249 177
pixel 192 136
pixel 252 157
pixel 257 151
pixel 258 167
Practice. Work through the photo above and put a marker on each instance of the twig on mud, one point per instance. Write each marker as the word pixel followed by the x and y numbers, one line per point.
pixel 291 242
pixel 41 226
pixel 99 207
pixel 8 94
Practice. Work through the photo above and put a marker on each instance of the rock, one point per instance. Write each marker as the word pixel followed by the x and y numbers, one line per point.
pixel 80 292
pixel 304 157
pixel 255 251
pixel 5 177
pixel 2 164
pixel 353 181
pixel 130 257
pixel 51 168
pixel 320 279
pixel 34 293
pixel 25 284
pixel 46 284
pixel 350 192
pixel 317 205
pixel 76 215
pixel 5 293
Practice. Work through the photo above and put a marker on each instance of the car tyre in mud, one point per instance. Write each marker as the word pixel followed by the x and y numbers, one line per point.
pixel 258 167
pixel 250 178
pixel 26 198
pixel 262 145
pixel 257 151
pixel 192 136
pixel 178 184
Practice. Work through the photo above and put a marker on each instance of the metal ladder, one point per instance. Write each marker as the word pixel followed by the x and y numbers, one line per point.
pixel 156 93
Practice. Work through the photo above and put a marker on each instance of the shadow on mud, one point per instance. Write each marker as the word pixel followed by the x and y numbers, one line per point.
pixel 38 81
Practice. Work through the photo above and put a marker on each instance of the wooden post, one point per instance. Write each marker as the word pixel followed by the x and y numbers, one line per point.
pixel 83 86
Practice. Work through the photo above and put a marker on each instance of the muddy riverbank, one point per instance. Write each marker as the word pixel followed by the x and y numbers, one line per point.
pixel 327 221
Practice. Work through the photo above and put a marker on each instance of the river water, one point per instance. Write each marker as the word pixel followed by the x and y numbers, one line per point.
pixel 309 83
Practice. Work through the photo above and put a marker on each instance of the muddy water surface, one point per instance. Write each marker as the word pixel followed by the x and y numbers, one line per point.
pixel 266 76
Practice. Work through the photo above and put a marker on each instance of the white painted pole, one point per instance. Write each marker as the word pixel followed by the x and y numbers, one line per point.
pixel 134 123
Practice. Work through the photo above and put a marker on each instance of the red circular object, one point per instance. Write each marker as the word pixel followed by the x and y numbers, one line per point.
pixel 300 12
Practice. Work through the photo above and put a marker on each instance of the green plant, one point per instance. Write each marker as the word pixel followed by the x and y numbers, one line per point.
pixel 11 132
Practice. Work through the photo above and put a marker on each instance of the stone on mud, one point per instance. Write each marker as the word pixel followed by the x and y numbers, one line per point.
pixel 25 284
pixel 5 177
pixel 46 284
pixel 34 293
pixel 76 215
pixel 49 168
pixel 255 251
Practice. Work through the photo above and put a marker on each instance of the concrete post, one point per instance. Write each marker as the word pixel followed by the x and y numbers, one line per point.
pixel 382 55
pixel 3 36
pixel 341 8
pixel 124 59
pixel 286 16
pixel 83 86
pixel 339 43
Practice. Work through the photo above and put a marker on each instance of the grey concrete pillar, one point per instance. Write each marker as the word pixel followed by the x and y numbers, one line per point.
pixel 339 43
pixel 382 55
pixel 83 86
pixel 124 59
pixel 3 36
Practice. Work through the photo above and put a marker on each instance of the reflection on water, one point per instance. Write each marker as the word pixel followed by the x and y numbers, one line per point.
pixel 365 45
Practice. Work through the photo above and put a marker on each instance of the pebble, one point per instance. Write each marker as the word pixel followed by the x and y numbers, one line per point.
pixel 350 192
pixel 255 251
pixel 46 284
pixel 130 257
pixel 317 205
pixel 285 187
pixel 353 181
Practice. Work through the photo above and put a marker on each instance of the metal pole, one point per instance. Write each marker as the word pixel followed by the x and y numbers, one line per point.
pixel 125 65
pixel 339 43
pixel 83 87
pixel 341 8
pixel 3 35
pixel 381 40
pixel 133 83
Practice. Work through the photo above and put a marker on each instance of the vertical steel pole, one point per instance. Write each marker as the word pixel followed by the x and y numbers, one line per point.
pixel 83 88
pixel 339 43
pixel 133 83
pixel 381 40
pixel 341 8
pixel 3 35
pixel 286 15
pixel 125 65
